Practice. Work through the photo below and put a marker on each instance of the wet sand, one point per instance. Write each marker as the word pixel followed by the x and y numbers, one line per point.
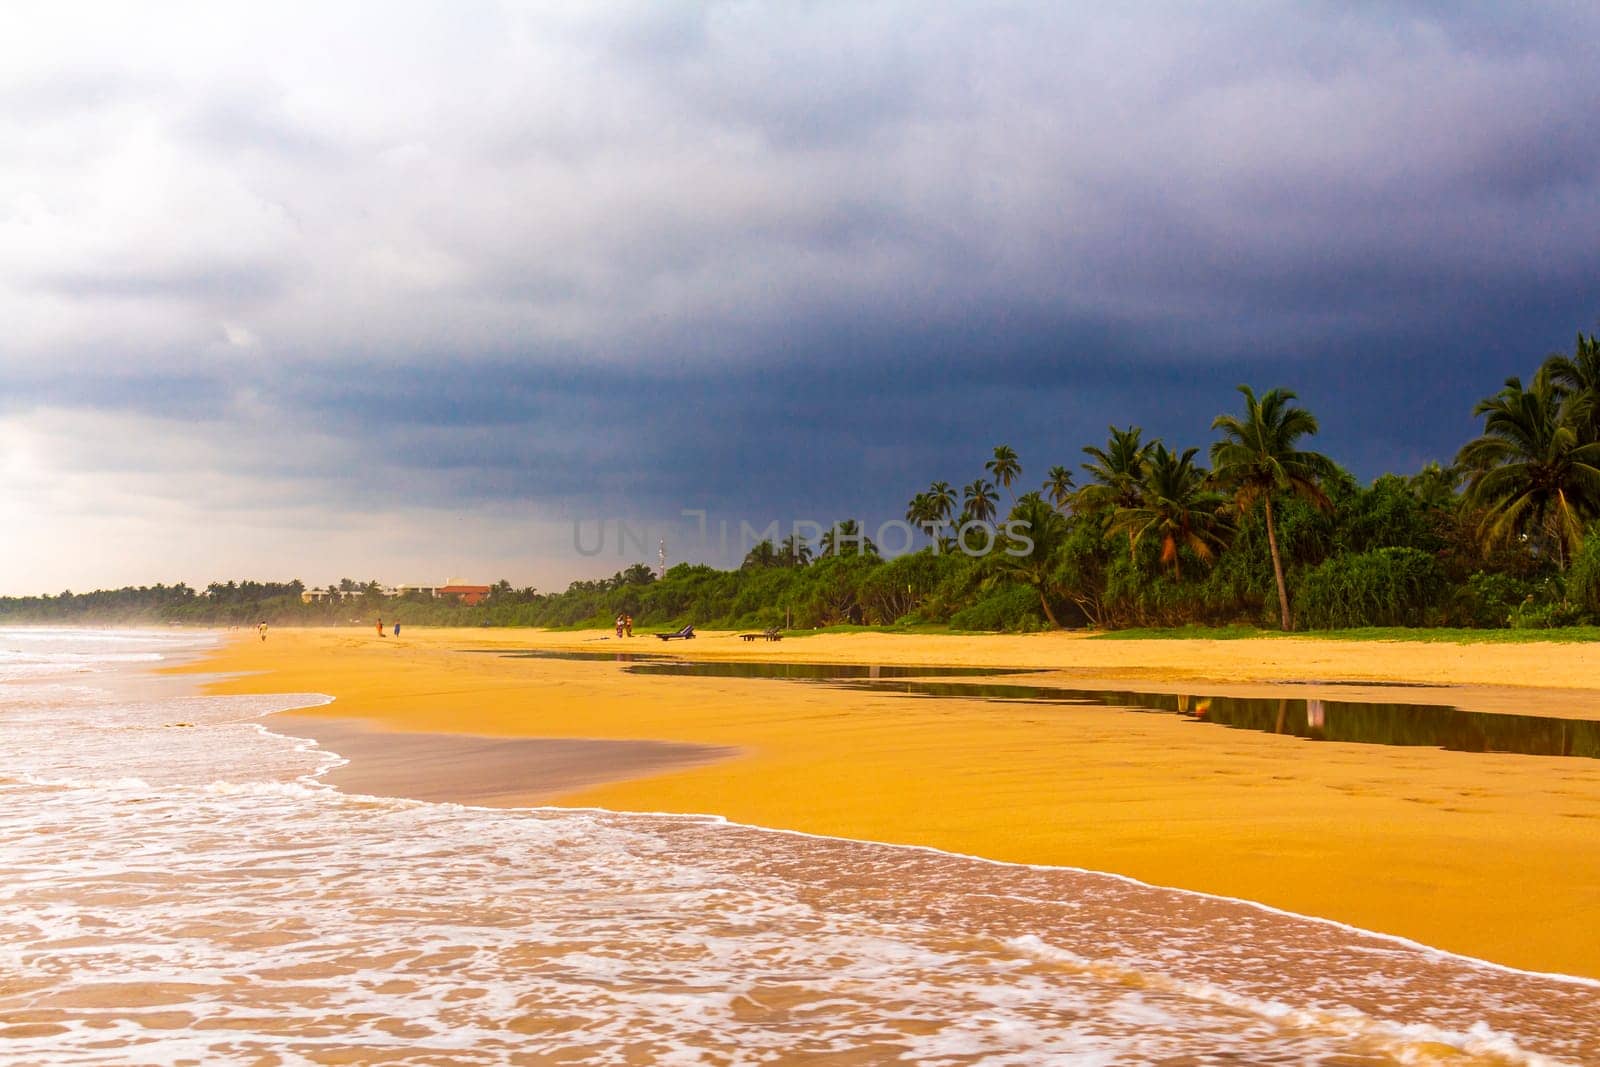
pixel 495 772
pixel 1485 854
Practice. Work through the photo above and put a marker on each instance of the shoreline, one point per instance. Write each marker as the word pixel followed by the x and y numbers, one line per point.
pixel 712 817
pixel 1455 851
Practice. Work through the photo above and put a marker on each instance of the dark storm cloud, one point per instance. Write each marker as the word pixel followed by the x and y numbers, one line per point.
pixel 768 258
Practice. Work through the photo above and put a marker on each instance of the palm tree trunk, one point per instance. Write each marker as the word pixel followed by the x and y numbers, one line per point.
pixel 1045 604
pixel 1277 565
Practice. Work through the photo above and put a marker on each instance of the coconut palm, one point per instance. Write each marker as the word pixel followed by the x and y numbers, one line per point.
pixel 1435 486
pixel 1004 466
pixel 1048 530
pixel 1116 472
pixel 943 499
pixel 1257 459
pixel 844 538
pixel 1058 486
pixel 763 555
pixel 795 550
pixel 978 500
pixel 923 514
pixel 1175 507
pixel 1532 472
pixel 637 574
pixel 1578 376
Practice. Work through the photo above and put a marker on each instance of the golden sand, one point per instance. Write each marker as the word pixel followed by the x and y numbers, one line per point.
pixel 1496 856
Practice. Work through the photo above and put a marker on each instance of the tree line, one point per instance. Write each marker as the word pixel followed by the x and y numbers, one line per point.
pixel 1263 530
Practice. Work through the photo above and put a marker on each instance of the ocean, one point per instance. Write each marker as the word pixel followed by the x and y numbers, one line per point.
pixel 177 885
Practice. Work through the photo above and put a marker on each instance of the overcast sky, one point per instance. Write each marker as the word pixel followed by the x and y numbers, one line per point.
pixel 400 290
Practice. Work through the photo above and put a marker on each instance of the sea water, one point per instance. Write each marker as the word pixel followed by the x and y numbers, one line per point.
pixel 178 886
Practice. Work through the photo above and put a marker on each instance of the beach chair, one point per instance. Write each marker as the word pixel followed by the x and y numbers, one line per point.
pixel 772 633
pixel 686 634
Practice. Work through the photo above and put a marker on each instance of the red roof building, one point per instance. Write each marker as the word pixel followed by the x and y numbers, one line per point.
pixel 467 594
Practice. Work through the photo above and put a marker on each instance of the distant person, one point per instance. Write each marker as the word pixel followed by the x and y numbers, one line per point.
pixel 627 624
pixel 619 625
pixel 263 629
pixel 380 627
pixel 397 629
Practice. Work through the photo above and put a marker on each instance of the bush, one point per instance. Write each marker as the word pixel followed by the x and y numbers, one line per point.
pixel 1486 601
pixel 1530 615
pixel 1583 579
pixel 1384 587
pixel 1009 607
pixel 1385 515
pixel 1547 606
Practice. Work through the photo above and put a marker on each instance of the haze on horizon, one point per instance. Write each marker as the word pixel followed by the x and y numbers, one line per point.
pixel 402 290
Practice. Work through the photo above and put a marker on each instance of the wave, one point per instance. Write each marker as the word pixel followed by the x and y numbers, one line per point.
pixel 211 874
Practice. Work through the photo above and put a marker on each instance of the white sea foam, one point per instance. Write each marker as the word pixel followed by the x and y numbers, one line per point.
pixel 264 916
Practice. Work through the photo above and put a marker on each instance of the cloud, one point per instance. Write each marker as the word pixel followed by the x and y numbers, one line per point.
pixel 643 256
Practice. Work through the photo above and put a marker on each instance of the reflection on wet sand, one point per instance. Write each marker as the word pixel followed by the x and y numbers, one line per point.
pixel 1316 719
pixel 1357 722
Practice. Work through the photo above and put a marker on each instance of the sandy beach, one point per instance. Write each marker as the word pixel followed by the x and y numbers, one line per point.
pixel 1490 855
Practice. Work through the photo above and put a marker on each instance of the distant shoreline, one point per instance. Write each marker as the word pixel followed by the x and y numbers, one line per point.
pixel 1578 635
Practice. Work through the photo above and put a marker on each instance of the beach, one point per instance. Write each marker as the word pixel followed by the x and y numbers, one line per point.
pixel 334 848
pixel 1480 853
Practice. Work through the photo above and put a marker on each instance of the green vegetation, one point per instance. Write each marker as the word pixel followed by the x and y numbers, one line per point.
pixel 1504 544
pixel 1434 635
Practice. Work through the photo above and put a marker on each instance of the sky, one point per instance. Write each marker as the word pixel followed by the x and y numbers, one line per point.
pixel 411 291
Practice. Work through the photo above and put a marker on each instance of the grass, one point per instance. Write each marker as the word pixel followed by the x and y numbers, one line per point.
pixel 1434 635
pixel 1207 633
pixel 851 628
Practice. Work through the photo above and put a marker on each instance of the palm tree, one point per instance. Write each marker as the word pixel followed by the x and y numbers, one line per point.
pixel 1047 529
pixel 844 538
pixel 1004 466
pixel 1257 459
pixel 943 499
pixel 1435 486
pixel 1579 379
pixel 795 551
pixel 639 574
pixel 1058 486
pixel 1117 471
pixel 978 500
pixel 765 554
pixel 1176 507
pixel 923 513
pixel 1531 470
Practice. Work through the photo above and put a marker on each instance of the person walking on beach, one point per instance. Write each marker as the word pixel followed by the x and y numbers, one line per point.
pixel 619 625
pixel 263 629
pixel 627 624
pixel 380 626
pixel 397 629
